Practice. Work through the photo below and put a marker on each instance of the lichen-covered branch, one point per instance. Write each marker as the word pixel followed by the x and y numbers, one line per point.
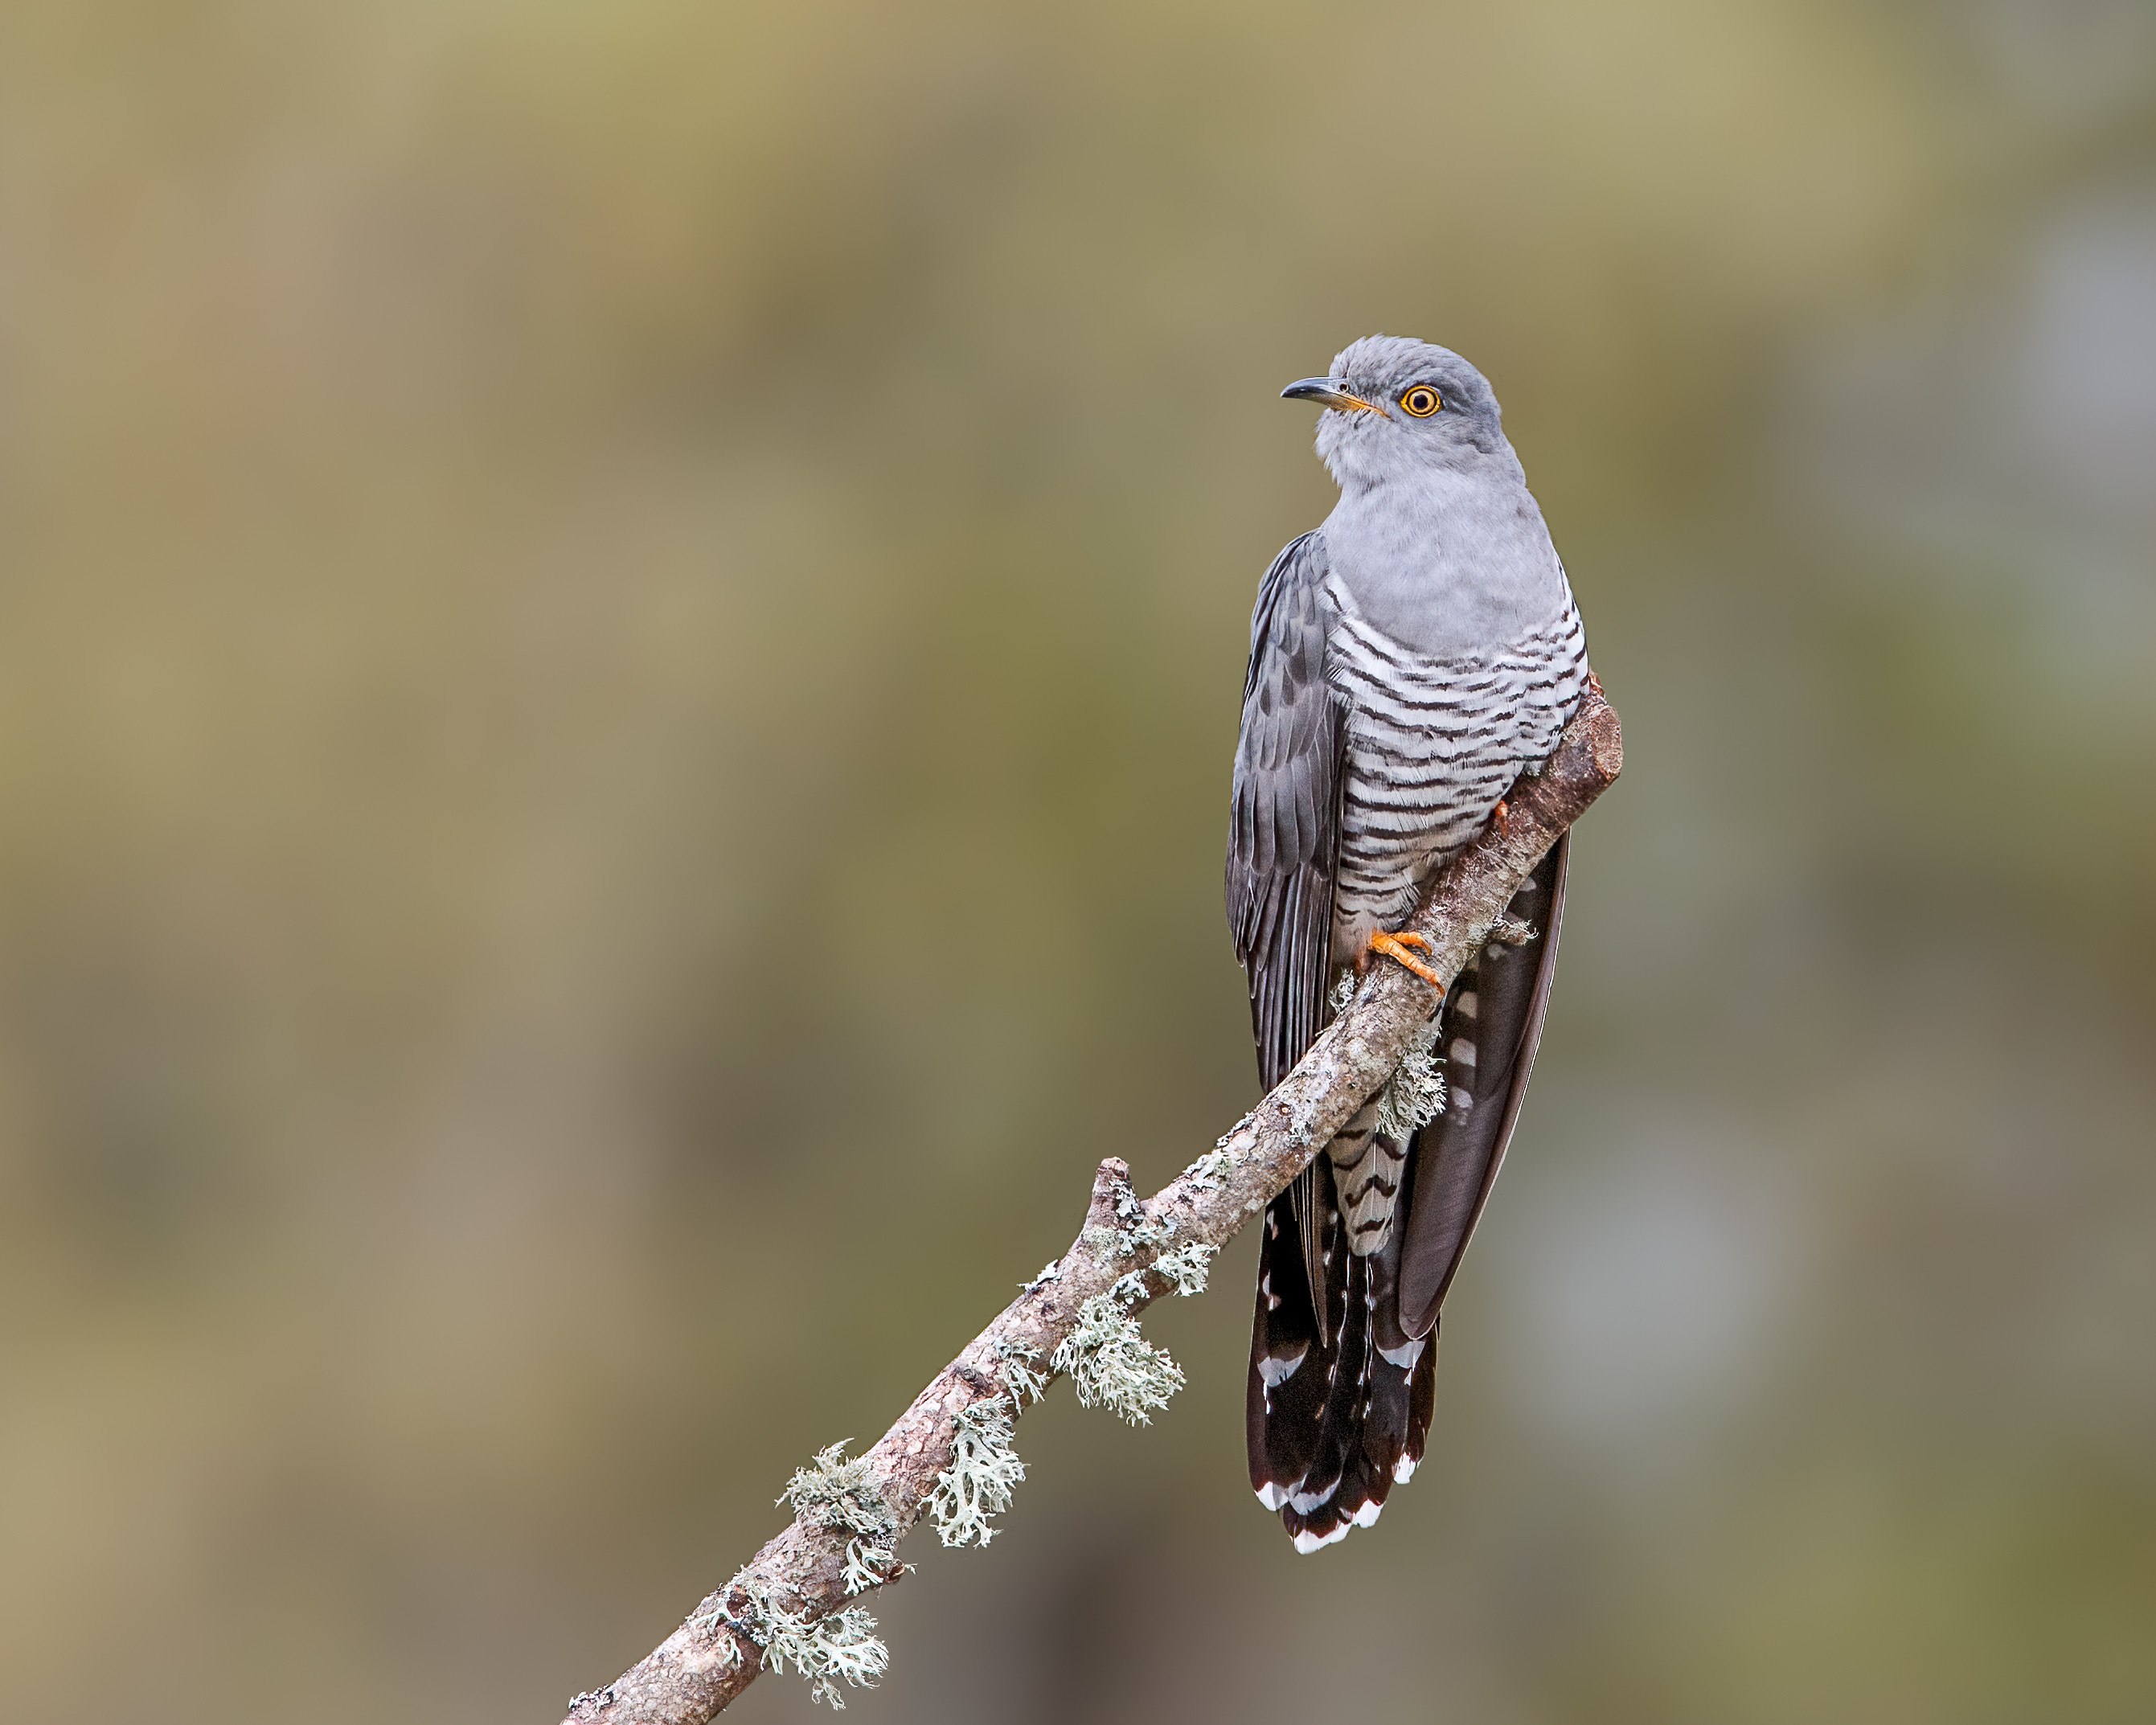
pixel 949 1453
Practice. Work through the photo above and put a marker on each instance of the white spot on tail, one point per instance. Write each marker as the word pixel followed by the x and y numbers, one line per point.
pixel 1276 1369
pixel 1307 1541
pixel 1271 1495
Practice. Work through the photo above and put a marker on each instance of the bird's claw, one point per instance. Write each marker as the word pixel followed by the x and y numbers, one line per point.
pixel 1399 947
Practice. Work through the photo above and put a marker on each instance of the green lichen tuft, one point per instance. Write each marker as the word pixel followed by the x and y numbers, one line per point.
pixel 837 1493
pixel 984 1471
pixel 841 1648
pixel 1210 1170
pixel 1183 1270
pixel 1187 1267
pixel 1022 1374
pixel 1414 1094
pixel 1135 1229
pixel 1112 1365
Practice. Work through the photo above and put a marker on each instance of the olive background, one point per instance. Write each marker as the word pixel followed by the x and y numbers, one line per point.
pixel 620 633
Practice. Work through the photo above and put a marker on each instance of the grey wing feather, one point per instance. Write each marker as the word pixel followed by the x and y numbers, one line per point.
pixel 1284 835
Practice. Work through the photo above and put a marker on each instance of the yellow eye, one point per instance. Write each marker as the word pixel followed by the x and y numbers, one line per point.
pixel 1421 401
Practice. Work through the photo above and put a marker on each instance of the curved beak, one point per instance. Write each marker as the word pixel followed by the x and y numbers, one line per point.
pixel 1328 391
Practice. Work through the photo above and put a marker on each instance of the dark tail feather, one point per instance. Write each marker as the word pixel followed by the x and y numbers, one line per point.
pixel 1332 1427
pixel 1493 1023
pixel 1311 1512
pixel 1291 1361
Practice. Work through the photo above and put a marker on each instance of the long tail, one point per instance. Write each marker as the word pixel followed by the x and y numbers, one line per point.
pixel 1343 1376
pixel 1340 1398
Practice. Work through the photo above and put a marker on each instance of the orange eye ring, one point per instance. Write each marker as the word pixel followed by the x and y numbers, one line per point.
pixel 1419 401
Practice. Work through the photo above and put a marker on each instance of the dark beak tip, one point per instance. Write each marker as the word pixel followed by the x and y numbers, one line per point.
pixel 1327 390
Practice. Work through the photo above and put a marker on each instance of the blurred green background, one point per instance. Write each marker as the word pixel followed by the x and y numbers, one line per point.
pixel 620 630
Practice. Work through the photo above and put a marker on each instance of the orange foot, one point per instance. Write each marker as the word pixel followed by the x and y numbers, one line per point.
pixel 1500 818
pixel 1398 947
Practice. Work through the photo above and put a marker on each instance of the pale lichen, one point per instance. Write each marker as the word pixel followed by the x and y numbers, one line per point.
pixel 713 1618
pixel 1136 1230
pixel 1414 1094
pixel 837 1493
pixel 1187 1267
pixel 1019 1365
pixel 984 1471
pixel 726 1632
pixel 1509 931
pixel 1183 1270
pixel 1299 1117
pixel 1112 1365
pixel 1210 1171
pixel 841 1648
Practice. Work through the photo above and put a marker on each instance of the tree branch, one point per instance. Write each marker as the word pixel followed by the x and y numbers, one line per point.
pixel 803 1571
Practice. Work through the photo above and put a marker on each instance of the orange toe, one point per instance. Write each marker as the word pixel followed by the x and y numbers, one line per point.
pixel 1401 947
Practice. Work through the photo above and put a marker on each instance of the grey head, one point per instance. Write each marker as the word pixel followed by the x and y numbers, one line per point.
pixel 1397 407
pixel 1435 536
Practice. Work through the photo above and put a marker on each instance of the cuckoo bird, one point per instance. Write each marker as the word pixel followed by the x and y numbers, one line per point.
pixel 1410 658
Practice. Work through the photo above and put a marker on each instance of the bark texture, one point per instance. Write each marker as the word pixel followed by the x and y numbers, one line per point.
pixel 699 1669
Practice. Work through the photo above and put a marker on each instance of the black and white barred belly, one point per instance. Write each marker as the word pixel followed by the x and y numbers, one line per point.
pixel 1432 745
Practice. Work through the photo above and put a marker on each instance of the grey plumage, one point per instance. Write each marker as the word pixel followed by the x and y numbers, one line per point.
pixel 1409 659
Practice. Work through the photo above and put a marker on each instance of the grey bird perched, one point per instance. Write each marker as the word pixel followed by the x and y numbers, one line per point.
pixel 1409 660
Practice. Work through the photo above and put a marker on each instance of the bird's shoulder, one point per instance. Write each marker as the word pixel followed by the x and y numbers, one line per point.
pixel 1294 613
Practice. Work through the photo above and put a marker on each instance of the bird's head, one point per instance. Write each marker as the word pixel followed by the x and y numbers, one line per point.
pixel 1395 406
